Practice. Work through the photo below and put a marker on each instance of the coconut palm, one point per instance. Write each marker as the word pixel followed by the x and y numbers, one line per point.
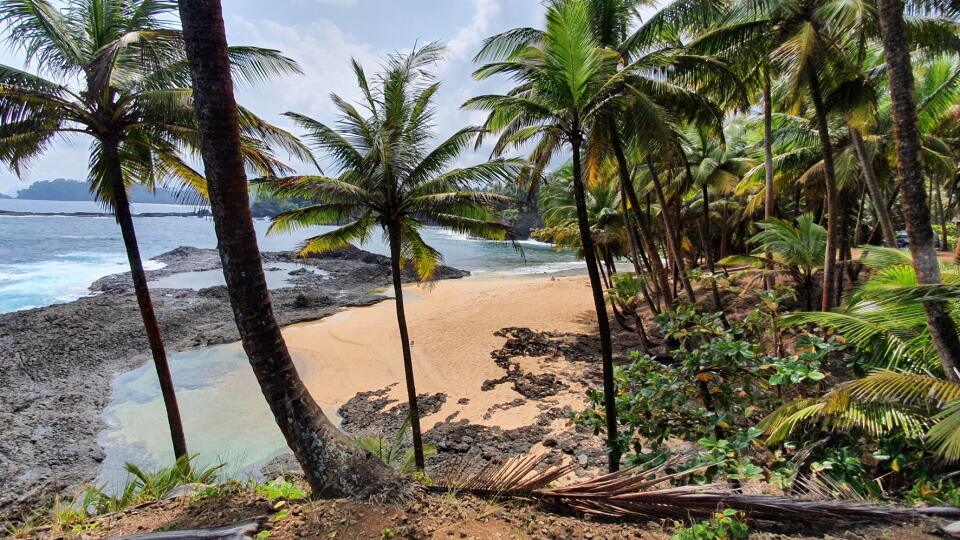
pixel 390 178
pixel 796 251
pixel 564 80
pixel 334 466
pixel 114 71
pixel 559 212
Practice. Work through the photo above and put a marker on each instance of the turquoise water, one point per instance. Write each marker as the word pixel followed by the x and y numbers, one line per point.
pixel 46 260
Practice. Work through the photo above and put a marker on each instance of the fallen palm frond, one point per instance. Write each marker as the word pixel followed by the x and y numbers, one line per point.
pixel 634 494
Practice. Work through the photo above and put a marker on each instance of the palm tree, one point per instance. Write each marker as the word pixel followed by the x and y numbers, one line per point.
pixel 118 75
pixel 390 178
pixel 334 466
pixel 916 214
pixel 795 250
pixel 559 211
pixel 565 79
pixel 884 320
pixel 804 41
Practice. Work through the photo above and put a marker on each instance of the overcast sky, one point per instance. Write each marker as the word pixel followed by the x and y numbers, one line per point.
pixel 322 35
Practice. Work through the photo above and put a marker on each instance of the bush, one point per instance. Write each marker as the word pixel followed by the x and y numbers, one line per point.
pixel 726 525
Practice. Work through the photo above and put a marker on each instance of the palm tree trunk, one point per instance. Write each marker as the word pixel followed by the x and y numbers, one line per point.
pixel 334 466
pixel 910 176
pixel 603 322
pixel 670 232
pixel 394 233
pixel 857 234
pixel 656 264
pixel 769 197
pixel 638 259
pixel 889 207
pixel 826 147
pixel 873 187
pixel 705 240
pixel 938 197
pixel 150 324
pixel 603 275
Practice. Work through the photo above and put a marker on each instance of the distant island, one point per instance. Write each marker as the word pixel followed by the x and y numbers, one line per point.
pixel 63 189
pixel 2 196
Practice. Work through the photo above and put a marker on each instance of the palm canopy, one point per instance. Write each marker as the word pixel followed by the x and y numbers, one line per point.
pixel 116 70
pixel 388 174
pixel 568 81
pixel 604 213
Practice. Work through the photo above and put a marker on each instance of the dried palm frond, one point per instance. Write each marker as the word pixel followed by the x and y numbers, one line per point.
pixel 634 494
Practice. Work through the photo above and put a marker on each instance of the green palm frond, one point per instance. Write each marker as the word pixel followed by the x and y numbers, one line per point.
pixel 945 434
pixel 388 173
pixel 414 250
pixel 358 231
pixel 310 216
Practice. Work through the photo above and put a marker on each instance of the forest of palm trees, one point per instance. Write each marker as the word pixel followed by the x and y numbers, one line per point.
pixel 734 174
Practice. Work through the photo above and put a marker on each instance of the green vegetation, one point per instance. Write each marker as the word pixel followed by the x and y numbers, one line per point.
pixel 395 452
pixel 748 147
pixel 79 514
pixel 726 525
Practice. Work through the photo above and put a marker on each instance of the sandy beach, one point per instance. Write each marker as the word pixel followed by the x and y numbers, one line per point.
pixel 452 325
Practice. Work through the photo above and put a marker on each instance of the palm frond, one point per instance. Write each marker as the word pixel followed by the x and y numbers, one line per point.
pixel 636 494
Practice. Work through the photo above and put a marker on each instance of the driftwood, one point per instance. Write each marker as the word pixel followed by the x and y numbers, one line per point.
pixel 241 531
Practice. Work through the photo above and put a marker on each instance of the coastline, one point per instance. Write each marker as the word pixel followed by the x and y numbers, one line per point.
pixel 59 361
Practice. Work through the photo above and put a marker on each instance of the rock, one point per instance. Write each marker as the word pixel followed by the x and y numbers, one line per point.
pixel 549 442
pixel 185 491
pixel 58 362
pixel 583 459
pixel 952 530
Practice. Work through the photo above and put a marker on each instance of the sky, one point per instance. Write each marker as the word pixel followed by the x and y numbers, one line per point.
pixel 322 35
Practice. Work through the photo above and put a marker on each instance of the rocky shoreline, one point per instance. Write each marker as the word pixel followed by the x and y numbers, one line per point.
pixel 58 361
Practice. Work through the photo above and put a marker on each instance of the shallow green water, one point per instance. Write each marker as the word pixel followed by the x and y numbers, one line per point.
pixel 224 414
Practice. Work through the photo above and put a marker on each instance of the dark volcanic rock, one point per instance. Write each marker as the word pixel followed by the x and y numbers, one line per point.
pixel 57 362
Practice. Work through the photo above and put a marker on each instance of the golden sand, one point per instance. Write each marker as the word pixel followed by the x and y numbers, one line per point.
pixel 452 325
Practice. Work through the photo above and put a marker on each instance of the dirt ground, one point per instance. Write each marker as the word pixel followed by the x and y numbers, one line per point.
pixel 434 517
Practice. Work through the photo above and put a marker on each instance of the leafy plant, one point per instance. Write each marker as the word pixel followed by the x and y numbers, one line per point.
pixel 280 488
pixel 395 452
pixel 797 252
pixel 727 524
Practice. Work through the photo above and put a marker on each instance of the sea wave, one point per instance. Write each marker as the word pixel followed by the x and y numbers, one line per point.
pixel 534 269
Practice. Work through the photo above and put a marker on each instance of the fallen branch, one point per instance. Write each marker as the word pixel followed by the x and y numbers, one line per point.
pixel 240 531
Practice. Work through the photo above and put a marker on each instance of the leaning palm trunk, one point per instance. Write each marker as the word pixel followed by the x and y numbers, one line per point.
pixel 829 175
pixel 671 233
pixel 873 187
pixel 656 265
pixel 394 233
pixel 334 466
pixel 603 322
pixel 916 214
pixel 769 197
pixel 121 206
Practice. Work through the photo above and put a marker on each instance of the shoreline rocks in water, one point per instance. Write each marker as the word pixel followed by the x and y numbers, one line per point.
pixel 58 362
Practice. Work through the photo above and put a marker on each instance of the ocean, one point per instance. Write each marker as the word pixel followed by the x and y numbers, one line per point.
pixel 53 259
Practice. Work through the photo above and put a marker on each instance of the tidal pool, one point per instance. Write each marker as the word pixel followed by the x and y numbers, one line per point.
pixel 224 414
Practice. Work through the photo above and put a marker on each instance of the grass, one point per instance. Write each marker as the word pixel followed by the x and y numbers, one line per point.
pixel 77 515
